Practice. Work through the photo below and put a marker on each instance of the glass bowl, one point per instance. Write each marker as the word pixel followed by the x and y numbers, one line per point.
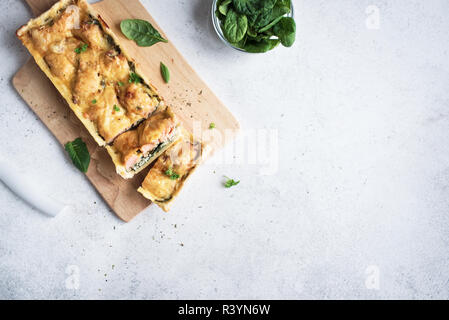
pixel 217 26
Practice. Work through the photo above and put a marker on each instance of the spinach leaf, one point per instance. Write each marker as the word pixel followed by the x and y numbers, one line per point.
pixel 165 73
pixel 261 46
pixel 235 26
pixel 252 7
pixel 79 154
pixel 285 29
pixel 223 7
pixel 268 20
pixel 251 32
pixel 248 7
pixel 266 5
pixel 219 15
pixel 259 37
pixel 252 19
pixel 242 42
pixel 285 3
pixel 141 31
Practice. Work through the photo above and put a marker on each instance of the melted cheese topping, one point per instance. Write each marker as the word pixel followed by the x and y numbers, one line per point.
pixel 135 144
pixel 92 68
pixel 180 159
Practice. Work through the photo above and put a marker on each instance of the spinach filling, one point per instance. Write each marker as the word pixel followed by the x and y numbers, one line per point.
pixel 150 154
pixel 165 200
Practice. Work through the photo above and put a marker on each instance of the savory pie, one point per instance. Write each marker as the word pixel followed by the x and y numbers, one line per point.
pixel 117 104
pixel 82 57
pixel 135 149
pixel 171 170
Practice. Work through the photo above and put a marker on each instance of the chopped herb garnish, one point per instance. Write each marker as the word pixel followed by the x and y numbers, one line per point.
pixel 230 182
pixel 212 125
pixel 116 108
pixel 165 73
pixel 171 174
pixel 134 78
pixel 81 48
pixel 120 84
pixel 94 101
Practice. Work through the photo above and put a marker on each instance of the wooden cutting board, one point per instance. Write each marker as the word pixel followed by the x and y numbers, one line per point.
pixel 189 96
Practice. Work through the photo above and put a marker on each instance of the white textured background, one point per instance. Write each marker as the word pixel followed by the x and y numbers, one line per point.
pixel 363 179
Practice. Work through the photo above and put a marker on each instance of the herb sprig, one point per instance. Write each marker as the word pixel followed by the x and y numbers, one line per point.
pixel 165 73
pixel 134 78
pixel 230 182
pixel 171 174
pixel 81 48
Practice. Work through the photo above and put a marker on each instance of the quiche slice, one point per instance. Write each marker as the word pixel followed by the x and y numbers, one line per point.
pixel 78 52
pixel 171 170
pixel 135 149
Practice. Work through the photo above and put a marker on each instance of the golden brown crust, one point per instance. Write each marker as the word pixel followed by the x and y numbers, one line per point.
pixel 83 87
pixel 65 70
pixel 171 171
pixel 132 146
